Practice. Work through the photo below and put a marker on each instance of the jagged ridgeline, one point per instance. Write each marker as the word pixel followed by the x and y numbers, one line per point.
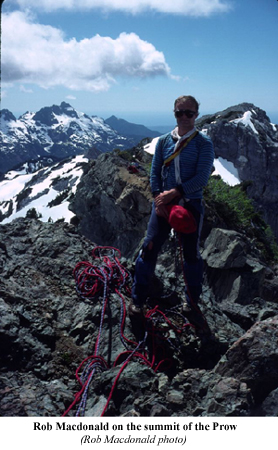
pixel 57 132
pixel 50 325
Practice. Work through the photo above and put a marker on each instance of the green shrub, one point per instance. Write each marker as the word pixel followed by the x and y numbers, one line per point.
pixel 236 209
pixel 231 202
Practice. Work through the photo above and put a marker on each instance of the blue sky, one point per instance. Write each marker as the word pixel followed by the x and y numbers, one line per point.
pixel 132 58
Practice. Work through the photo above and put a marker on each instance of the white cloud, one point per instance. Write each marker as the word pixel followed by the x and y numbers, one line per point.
pixel 40 54
pixel 184 7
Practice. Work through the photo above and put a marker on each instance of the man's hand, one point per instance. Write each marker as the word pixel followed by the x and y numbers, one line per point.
pixel 163 199
pixel 166 197
pixel 162 211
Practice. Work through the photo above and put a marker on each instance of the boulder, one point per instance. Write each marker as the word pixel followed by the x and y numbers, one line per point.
pixel 253 359
pixel 243 285
pixel 225 249
pixel 234 273
pixel 112 204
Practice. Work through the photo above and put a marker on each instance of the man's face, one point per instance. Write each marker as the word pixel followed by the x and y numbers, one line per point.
pixel 190 114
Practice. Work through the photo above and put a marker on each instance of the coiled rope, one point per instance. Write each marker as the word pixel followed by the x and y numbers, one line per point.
pixel 99 279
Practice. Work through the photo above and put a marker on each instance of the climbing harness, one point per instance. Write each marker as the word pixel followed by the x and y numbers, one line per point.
pixel 99 280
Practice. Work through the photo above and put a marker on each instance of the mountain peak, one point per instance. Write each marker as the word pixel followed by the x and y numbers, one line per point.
pixel 130 129
pixel 6 115
pixel 67 109
pixel 47 115
pixel 65 105
pixel 235 112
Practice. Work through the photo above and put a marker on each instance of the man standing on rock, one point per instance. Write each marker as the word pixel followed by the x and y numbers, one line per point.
pixel 181 167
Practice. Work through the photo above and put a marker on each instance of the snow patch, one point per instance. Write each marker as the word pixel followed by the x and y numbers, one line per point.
pixel 246 120
pixel 227 171
pixel 150 148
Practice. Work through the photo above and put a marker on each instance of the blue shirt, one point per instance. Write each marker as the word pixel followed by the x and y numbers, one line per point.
pixel 196 161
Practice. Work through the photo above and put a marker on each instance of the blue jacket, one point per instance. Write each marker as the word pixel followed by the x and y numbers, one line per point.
pixel 196 161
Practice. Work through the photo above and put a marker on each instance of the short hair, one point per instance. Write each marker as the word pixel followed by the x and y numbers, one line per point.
pixel 184 98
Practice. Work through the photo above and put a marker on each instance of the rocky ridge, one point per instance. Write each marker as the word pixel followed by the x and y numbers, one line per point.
pixel 47 329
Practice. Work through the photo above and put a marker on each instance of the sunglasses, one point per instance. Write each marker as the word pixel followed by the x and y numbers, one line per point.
pixel 180 112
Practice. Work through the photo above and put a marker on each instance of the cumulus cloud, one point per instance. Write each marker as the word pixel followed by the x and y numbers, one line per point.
pixel 40 54
pixel 184 7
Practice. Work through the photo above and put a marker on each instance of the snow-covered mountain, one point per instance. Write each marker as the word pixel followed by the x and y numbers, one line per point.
pixel 45 192
pixel 56 132
pixel 42 154
pixel 245 145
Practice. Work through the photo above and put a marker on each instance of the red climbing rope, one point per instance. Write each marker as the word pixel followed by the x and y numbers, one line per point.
pixel 104 276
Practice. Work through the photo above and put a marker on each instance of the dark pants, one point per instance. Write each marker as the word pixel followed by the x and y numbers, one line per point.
pixel 157 233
